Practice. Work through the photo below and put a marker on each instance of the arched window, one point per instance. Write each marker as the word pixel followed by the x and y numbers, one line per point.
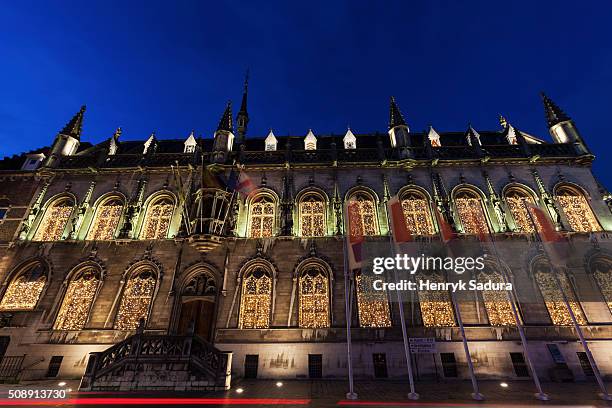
pixel 314 297
pixel 577 210
pixel 256 302
pixel 106 219
pixel 417 213
pixel 78 300
pixel 55 219
pixel 24 290
pixel 136 299
pixel 553 297
pixel 601 268
pixel 312 215
pixel 372 305
pixel 497 305
pixel 157 219
pixel 368 220
pixel 262 215
pixel 436 305
pixel 471 212
pixel 518 200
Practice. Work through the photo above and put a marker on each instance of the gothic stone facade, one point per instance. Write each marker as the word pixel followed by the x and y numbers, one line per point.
pixel 95 238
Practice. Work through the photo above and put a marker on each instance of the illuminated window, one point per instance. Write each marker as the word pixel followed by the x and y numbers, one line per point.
pixel 367 221
pixel 314 298
pixel 312 216
pixel 157 219
pixel 372 305
pixel 417 213
pixel 256 300
pixel 577 210
pixel 106 219
pixel 78 300
pixel 136 299
pixel 54 220
pixel 496 302
pixel 517 200
pixel 263 212
pixel 471 212
pixel 602 272
pixel 436 305
pixel 24 290
pixel 553 297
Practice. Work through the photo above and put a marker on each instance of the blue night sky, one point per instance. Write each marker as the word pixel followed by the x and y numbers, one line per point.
pixel 168 67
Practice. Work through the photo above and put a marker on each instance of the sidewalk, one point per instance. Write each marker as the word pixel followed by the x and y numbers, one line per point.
pixel 331 393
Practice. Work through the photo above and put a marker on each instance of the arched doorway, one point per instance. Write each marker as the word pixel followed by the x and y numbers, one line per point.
pixel 197 305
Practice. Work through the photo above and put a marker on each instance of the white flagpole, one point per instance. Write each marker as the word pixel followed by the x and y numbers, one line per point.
pixel 413 395
pixel 352 395
pixel 540 395
pixel 476 395
pixel 604 392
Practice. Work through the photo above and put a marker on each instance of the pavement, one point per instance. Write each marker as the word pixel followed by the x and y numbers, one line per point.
pixel 326 393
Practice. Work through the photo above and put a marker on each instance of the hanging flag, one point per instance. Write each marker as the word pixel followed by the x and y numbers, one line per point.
pixel 212 178
pixel 446 231
pixel 546 230
pixel 484 235
pixel 240 182
pixel 399 227
pixel 355 236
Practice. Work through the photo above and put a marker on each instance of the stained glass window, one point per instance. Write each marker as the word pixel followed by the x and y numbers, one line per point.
pixel 106 220
pixel 602 272
pixel 263 210
pixel 78 300
pixel 471 213
pixel 577 210
pixel 553 297
pixel 417 214
pixel 157 219
pixel 367 221
pixel 256 300
pixel 517 200
pixel 24 290
pixel 436 306
pixel 312 216
pixel 496 302
pixel 314 298
pixel 54 220
pixel 372 305
pixel 136 299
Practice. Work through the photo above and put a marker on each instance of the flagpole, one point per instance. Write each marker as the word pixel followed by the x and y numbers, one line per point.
pixel 540 395
pixel 604 394
pixel 352 395
pixel 413 395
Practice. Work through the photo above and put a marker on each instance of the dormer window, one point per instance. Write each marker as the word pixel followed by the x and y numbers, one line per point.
pixel 350 141
pixel 434 137
pixel 190 143
pixel 33 161
pixel 310 141
pixel 511 137
pixel 271 142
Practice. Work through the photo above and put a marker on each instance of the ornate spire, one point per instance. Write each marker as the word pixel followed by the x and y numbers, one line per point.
pixel 74 127
pixel 552 112
pixel 226 120
pixel 114 142
pixel 503 122
pixel 472 136
pixel 395 116
pixel 242 119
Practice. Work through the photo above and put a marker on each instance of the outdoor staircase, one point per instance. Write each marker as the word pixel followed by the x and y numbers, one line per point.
pixel 158 362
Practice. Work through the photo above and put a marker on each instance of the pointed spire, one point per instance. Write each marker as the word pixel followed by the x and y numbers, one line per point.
pixel 242 120
pixel 226 120
pixel 395 116
pixel 114 142
pixel 472 136
pixel 74 127
pixel 552 112
pixel 149 144
pixel 243 105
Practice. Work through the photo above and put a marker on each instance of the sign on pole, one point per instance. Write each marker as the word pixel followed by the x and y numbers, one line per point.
pixel 422 345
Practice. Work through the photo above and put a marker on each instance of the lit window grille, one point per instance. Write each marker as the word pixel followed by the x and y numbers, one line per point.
pixel 106 220
pixel 436 306
pixel 497 305
pixel 24 290
pixel 157 219
pixel 262 217
pixel 471 213
pixel 314 299
pixel 417 214
pixel 372 305
pixel 553 297
pixel 602 272
pixel 256 300
pixel 367 222
pixel 517 201
pixel 577 210
pixel 78 300
pixel 136 299
pixel 312 214
pixel 54 220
